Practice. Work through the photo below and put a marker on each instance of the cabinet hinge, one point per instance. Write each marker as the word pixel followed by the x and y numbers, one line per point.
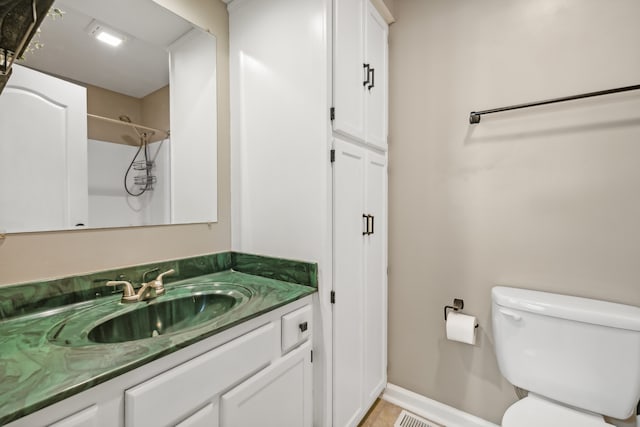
pixel 332 113
pixel 333 156
pixel 333 297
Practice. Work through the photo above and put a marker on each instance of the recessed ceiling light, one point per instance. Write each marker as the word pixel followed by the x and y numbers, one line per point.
pixel 105 34
pixel 109 38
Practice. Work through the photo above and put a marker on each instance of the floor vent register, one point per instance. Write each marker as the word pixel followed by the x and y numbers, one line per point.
pixel 406 419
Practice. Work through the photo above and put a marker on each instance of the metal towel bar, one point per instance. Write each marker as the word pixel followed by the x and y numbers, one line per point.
pixel 474 116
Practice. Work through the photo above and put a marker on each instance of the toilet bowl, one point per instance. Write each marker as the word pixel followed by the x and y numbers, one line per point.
pixel 577 357
pixel 536 411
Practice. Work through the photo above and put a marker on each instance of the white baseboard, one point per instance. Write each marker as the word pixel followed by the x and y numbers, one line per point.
pixel 431 409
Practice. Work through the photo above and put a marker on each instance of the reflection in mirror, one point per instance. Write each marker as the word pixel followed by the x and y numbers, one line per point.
pixel 110 122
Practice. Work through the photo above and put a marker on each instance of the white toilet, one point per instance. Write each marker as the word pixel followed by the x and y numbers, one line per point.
pixel 578 358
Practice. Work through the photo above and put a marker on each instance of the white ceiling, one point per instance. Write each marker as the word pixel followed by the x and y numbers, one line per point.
pixel 137 67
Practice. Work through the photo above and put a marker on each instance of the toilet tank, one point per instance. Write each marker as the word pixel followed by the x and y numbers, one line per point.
pixel 577 351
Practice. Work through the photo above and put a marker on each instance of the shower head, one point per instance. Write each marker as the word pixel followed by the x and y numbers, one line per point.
pixel 127 119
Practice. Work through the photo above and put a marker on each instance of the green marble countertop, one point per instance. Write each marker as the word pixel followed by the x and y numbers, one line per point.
pixel 36 371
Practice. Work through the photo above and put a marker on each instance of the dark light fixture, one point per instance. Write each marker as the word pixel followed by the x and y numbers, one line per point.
pixel 19 21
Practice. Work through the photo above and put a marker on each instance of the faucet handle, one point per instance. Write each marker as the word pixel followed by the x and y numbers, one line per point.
pixel 158 284
pixel 128 293
pixel 166 273
pixel 144 275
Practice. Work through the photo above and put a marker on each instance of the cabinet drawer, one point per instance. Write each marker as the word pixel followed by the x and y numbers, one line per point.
pixel 174 395
pixel 296 327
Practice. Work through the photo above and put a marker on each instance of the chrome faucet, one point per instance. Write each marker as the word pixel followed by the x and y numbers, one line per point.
pixel 149 290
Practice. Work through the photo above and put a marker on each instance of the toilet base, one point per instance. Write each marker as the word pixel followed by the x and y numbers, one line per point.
pixel 536 411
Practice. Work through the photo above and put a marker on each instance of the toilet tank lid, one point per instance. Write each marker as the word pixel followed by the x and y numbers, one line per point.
pixel 569 307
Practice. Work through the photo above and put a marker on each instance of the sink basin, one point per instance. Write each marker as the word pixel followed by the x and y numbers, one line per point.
pixel 162 317
pixel 182 308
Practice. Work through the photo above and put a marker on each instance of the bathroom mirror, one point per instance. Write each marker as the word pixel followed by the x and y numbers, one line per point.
pixel 110 120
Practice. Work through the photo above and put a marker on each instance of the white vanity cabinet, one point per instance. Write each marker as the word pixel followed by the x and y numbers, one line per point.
pixel 360 72
pixel 193 388
pixel 243 373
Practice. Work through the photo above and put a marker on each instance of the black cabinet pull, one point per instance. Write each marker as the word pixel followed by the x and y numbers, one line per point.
pixel 303 326
pixel 368 224
pixel 373 79
pixel 367 71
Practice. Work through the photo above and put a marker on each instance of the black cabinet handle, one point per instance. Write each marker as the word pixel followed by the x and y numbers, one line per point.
pixel 372 224
pixel 366 224
pixel 367 71
pixel 303 326
pixel 373 79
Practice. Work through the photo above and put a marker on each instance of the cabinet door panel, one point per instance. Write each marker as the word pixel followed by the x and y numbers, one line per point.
pixel 375 295
pixel 205 417
pixel 278 396
pixel 177 393
pixel 348 70
pixel 348 332
pixel 85 418
pixel 376 37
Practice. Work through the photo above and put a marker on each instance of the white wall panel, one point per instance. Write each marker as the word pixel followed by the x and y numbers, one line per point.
pixel 109 204
pixel 194 156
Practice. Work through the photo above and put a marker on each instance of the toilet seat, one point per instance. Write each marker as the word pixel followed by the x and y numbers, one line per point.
pixel 535 411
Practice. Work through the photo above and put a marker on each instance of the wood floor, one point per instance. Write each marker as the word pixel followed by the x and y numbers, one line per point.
pixel 381 414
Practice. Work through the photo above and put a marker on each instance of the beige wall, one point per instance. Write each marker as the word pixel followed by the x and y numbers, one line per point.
pixel 33 256
pixel 110 104
pixel 152 111
pixel 545 198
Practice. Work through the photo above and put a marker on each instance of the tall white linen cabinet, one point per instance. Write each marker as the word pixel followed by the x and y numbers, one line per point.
pixel 309 175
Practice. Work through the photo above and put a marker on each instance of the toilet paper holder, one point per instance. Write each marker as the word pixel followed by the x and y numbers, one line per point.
pixel 458 304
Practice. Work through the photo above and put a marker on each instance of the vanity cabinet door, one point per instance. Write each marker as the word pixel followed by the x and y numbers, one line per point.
pixel 205 417
pixel 96 407
pixel 85 418
pixel 180 393
pixel 278 396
